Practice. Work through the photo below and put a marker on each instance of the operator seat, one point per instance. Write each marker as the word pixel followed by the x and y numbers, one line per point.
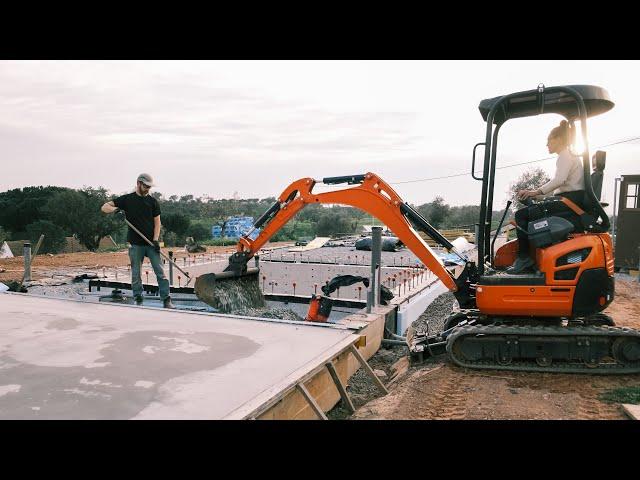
pixel 593 208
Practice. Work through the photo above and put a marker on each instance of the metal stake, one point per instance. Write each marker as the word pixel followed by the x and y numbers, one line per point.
pixel 27 262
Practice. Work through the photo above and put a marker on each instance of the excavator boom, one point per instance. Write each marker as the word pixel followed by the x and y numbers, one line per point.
pixel 372 195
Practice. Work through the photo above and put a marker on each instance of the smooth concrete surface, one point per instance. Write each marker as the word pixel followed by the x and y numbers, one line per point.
pixel 66 359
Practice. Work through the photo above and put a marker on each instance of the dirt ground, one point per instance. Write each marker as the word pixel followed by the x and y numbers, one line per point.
pixel 45 265
pixel 435 389
pixel 440 390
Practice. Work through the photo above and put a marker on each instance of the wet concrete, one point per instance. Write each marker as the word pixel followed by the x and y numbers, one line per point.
pixel 64 359
pixel 115 390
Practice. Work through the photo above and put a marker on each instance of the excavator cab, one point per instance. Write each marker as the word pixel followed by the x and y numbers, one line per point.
pixel 558 287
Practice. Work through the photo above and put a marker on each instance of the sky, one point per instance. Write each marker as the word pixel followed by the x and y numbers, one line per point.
pixel 250 128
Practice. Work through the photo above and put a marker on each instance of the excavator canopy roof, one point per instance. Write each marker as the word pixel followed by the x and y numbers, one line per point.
pixel 526 104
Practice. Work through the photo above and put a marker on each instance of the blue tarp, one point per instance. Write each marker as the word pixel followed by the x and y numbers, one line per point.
pixel 235 227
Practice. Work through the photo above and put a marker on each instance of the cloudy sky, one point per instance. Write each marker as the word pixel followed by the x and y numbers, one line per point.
pixel 249 128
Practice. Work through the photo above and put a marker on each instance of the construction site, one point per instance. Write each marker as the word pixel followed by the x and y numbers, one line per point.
pixel 405 322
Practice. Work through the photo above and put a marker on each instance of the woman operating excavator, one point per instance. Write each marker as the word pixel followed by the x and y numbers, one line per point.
pixel 567 182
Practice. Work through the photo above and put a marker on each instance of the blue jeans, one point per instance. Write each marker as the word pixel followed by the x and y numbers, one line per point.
pixel 136 255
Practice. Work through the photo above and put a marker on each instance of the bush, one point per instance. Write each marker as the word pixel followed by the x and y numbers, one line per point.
pixel 199 232
pixel 219 242
pixel 118 248
pixel 78 212
pixel 3 235
pixel 54 238
pixel 170 239
pixel 176 223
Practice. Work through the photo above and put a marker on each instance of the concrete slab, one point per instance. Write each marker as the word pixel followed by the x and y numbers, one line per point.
pixel 66 359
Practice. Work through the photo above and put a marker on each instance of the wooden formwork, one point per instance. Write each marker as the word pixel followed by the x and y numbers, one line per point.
pixel 292 403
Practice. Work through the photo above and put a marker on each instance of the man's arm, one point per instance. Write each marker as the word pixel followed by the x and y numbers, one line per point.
pixel 156 228
pixel 108 207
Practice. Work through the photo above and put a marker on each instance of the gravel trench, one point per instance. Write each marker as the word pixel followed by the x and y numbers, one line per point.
pixel 361 388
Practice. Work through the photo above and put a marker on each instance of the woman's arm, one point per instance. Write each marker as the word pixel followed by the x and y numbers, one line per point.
pixel 563 167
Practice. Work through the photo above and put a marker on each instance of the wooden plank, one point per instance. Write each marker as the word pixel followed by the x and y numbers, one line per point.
pixel 316 408
pixel 340 387
pixel 276 393
pixel 293 405
pixel 368 369
pixel 632 410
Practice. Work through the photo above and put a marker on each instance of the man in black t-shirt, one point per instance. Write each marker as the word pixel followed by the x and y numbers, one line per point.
pixel 143 212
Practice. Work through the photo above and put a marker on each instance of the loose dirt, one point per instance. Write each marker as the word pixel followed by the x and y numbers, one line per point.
pixel 435 389
pixel 44 266
pixel 438 390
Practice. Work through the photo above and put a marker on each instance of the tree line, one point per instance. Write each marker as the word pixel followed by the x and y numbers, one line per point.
pixel 58 212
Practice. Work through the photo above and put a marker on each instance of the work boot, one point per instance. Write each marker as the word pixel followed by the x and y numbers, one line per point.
pixel 522 264
pixel 167 303
pixel 138 299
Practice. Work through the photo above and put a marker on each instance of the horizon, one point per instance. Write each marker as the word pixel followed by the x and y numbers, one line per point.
pixel 249 128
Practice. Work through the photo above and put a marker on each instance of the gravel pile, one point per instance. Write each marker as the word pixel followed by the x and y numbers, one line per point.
pixel 67 290
pixel 266 312
pixel 435 314
pixel 361 388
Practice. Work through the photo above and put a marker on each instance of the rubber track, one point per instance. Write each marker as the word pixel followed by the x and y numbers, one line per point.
pixel 557 366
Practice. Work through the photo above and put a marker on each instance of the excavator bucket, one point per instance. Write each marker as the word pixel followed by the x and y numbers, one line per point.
pixel 227 291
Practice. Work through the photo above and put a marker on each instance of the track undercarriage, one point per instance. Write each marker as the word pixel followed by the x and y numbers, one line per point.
pixel 589 345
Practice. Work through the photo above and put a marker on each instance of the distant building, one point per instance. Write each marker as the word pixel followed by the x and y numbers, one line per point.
pixel 235 227
pixel 628 223
pixel 17 247
pixel 73 245
pixel 216 231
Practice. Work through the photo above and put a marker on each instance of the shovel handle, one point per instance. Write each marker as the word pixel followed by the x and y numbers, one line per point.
pixel 151 243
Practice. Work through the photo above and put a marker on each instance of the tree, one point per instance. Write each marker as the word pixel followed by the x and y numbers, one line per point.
pixel 3 235
pixel 176 223
pixel 54 239
pixel 531 179
pixel 199 232
pixel 438 212
pixel 20 207
pixel 331 224
pixel 78 212
pixel 435 212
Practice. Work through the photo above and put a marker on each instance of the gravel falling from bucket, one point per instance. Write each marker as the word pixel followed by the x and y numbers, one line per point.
pixel 230 295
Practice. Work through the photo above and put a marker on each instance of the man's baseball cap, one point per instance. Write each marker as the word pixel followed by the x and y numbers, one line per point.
pixel 146 179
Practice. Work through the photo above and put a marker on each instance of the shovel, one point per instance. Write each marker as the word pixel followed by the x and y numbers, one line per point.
pixel 162 254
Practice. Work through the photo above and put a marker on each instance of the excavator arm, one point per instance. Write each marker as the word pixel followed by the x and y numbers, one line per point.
pixel 372 195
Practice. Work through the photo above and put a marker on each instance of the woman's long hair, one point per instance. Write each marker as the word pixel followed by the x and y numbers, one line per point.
pixel 566 133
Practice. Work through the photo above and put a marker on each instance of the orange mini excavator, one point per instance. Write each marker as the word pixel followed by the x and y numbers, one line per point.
pixel 549 320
